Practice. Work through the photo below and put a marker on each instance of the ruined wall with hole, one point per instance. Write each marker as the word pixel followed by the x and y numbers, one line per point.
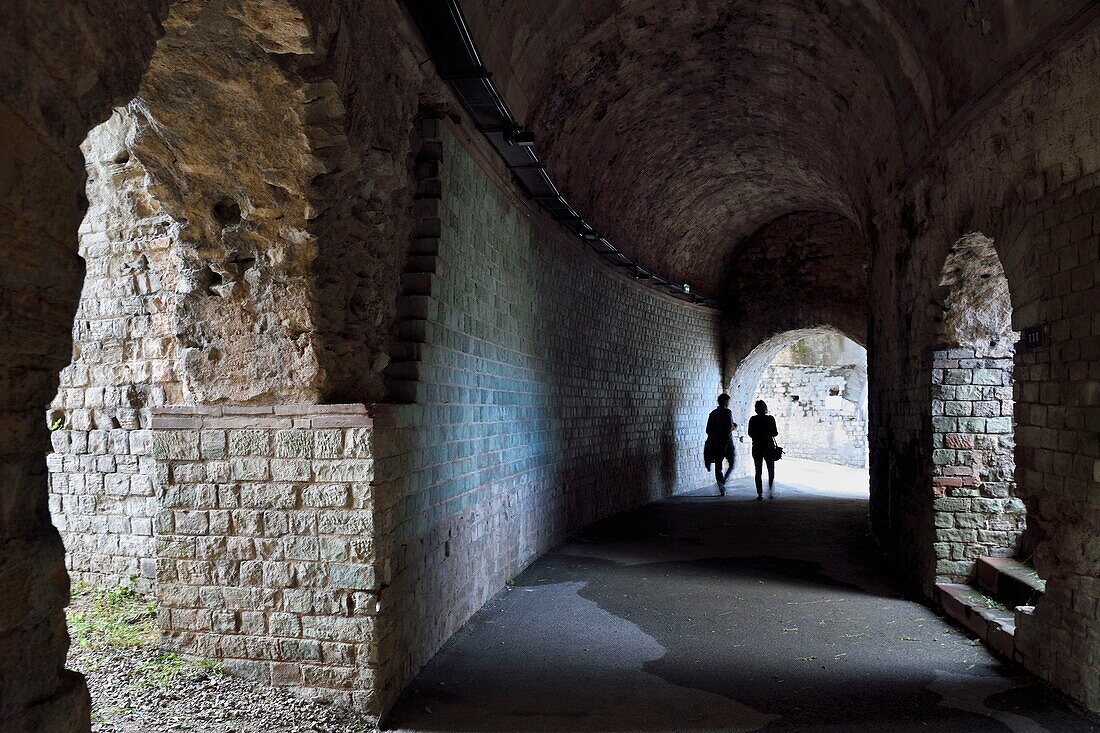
pixel 973 439
pixel 199 243
pixel 546 392
pixel 101 492
pixel 1042 210
pixel 816 390
pixel 242 244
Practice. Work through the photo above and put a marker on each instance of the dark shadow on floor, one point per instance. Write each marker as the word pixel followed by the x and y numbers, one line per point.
pixel 709 614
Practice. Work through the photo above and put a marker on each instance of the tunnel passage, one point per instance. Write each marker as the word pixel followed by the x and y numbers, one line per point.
pixel 876 121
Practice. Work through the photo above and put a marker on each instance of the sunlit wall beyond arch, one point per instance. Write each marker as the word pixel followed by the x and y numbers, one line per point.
pixel 816 389
pixel 747 376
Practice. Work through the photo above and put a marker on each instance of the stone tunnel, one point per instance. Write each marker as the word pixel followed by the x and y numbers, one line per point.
pixel 321 322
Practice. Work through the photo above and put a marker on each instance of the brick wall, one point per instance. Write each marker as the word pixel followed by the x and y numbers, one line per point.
pixel 1041 210
pixel 265 544
pixel 826 422
pixel 547 391
pixel 101 493
pixel 976 511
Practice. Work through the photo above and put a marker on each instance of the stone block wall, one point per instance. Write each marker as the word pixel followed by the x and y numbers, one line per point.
pixel 826 422
pixel 546 392
pixel 1043 213
pixel 266 551
pixel 101 494
pixel 976 511
pixel 1057 397
pixel 102 501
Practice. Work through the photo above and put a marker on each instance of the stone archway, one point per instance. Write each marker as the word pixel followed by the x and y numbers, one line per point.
pixel 976 512
pixel 747 377
pixel 192 454
pixel 816 389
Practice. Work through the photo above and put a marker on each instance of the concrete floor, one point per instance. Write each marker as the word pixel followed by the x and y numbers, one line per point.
pixel 702 613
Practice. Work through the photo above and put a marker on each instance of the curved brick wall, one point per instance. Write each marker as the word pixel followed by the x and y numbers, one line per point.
pixel 550 392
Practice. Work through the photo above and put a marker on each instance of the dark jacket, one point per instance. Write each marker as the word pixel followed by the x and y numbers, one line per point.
pixel 762 430
pixel 719 443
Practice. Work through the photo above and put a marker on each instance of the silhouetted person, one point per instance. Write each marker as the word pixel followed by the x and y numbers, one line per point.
pixel 762 430
pixel 719 445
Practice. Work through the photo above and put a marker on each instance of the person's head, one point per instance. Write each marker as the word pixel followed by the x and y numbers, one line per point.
pixel 723 400
pixel 761 407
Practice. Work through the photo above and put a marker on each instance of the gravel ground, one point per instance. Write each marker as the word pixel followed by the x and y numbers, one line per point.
pixel 137 688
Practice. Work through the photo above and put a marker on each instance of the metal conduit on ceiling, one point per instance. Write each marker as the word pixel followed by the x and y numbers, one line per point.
pixel 457 62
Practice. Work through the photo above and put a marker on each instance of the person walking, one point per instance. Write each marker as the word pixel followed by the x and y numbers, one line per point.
pixel 719 445
pixel 762 431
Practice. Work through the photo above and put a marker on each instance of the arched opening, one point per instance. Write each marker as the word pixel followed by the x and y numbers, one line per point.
pixel 972 425
pixel 983 574
pixel 202 297
pixel 814 381
pixel 816 388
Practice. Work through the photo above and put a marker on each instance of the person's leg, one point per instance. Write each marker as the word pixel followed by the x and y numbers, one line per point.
pixel 731 458
pixel 771 474
pixel 757 460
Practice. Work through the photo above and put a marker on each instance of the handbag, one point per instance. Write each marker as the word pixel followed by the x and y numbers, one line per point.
pixel 777 451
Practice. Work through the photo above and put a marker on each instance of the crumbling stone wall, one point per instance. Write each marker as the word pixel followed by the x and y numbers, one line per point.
pixel 819 400
pixel 977 512
pixel 547 392
pixel 124 357
pixel 201 247
pixel 266 544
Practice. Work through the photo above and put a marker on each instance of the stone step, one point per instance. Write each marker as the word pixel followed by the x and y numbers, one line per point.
pixel 1009 581
pixel 990 621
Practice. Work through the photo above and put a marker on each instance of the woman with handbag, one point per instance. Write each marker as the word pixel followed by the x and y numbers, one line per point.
pixel 762 431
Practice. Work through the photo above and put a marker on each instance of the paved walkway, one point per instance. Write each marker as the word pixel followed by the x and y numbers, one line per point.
pixel 702 613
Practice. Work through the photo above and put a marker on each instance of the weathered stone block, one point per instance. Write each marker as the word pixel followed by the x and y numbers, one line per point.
pixel 268 496
pixel 176 445
pixel 250 443
pixel 291 470
pixel 213 444
pixel 249 469
pixel 360 577
pixel 293 444
pixel 328 443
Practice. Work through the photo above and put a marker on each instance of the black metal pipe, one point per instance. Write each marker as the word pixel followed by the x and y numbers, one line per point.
pixel 458 62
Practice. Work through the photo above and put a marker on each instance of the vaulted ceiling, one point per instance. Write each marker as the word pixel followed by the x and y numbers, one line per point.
pixel 680 127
